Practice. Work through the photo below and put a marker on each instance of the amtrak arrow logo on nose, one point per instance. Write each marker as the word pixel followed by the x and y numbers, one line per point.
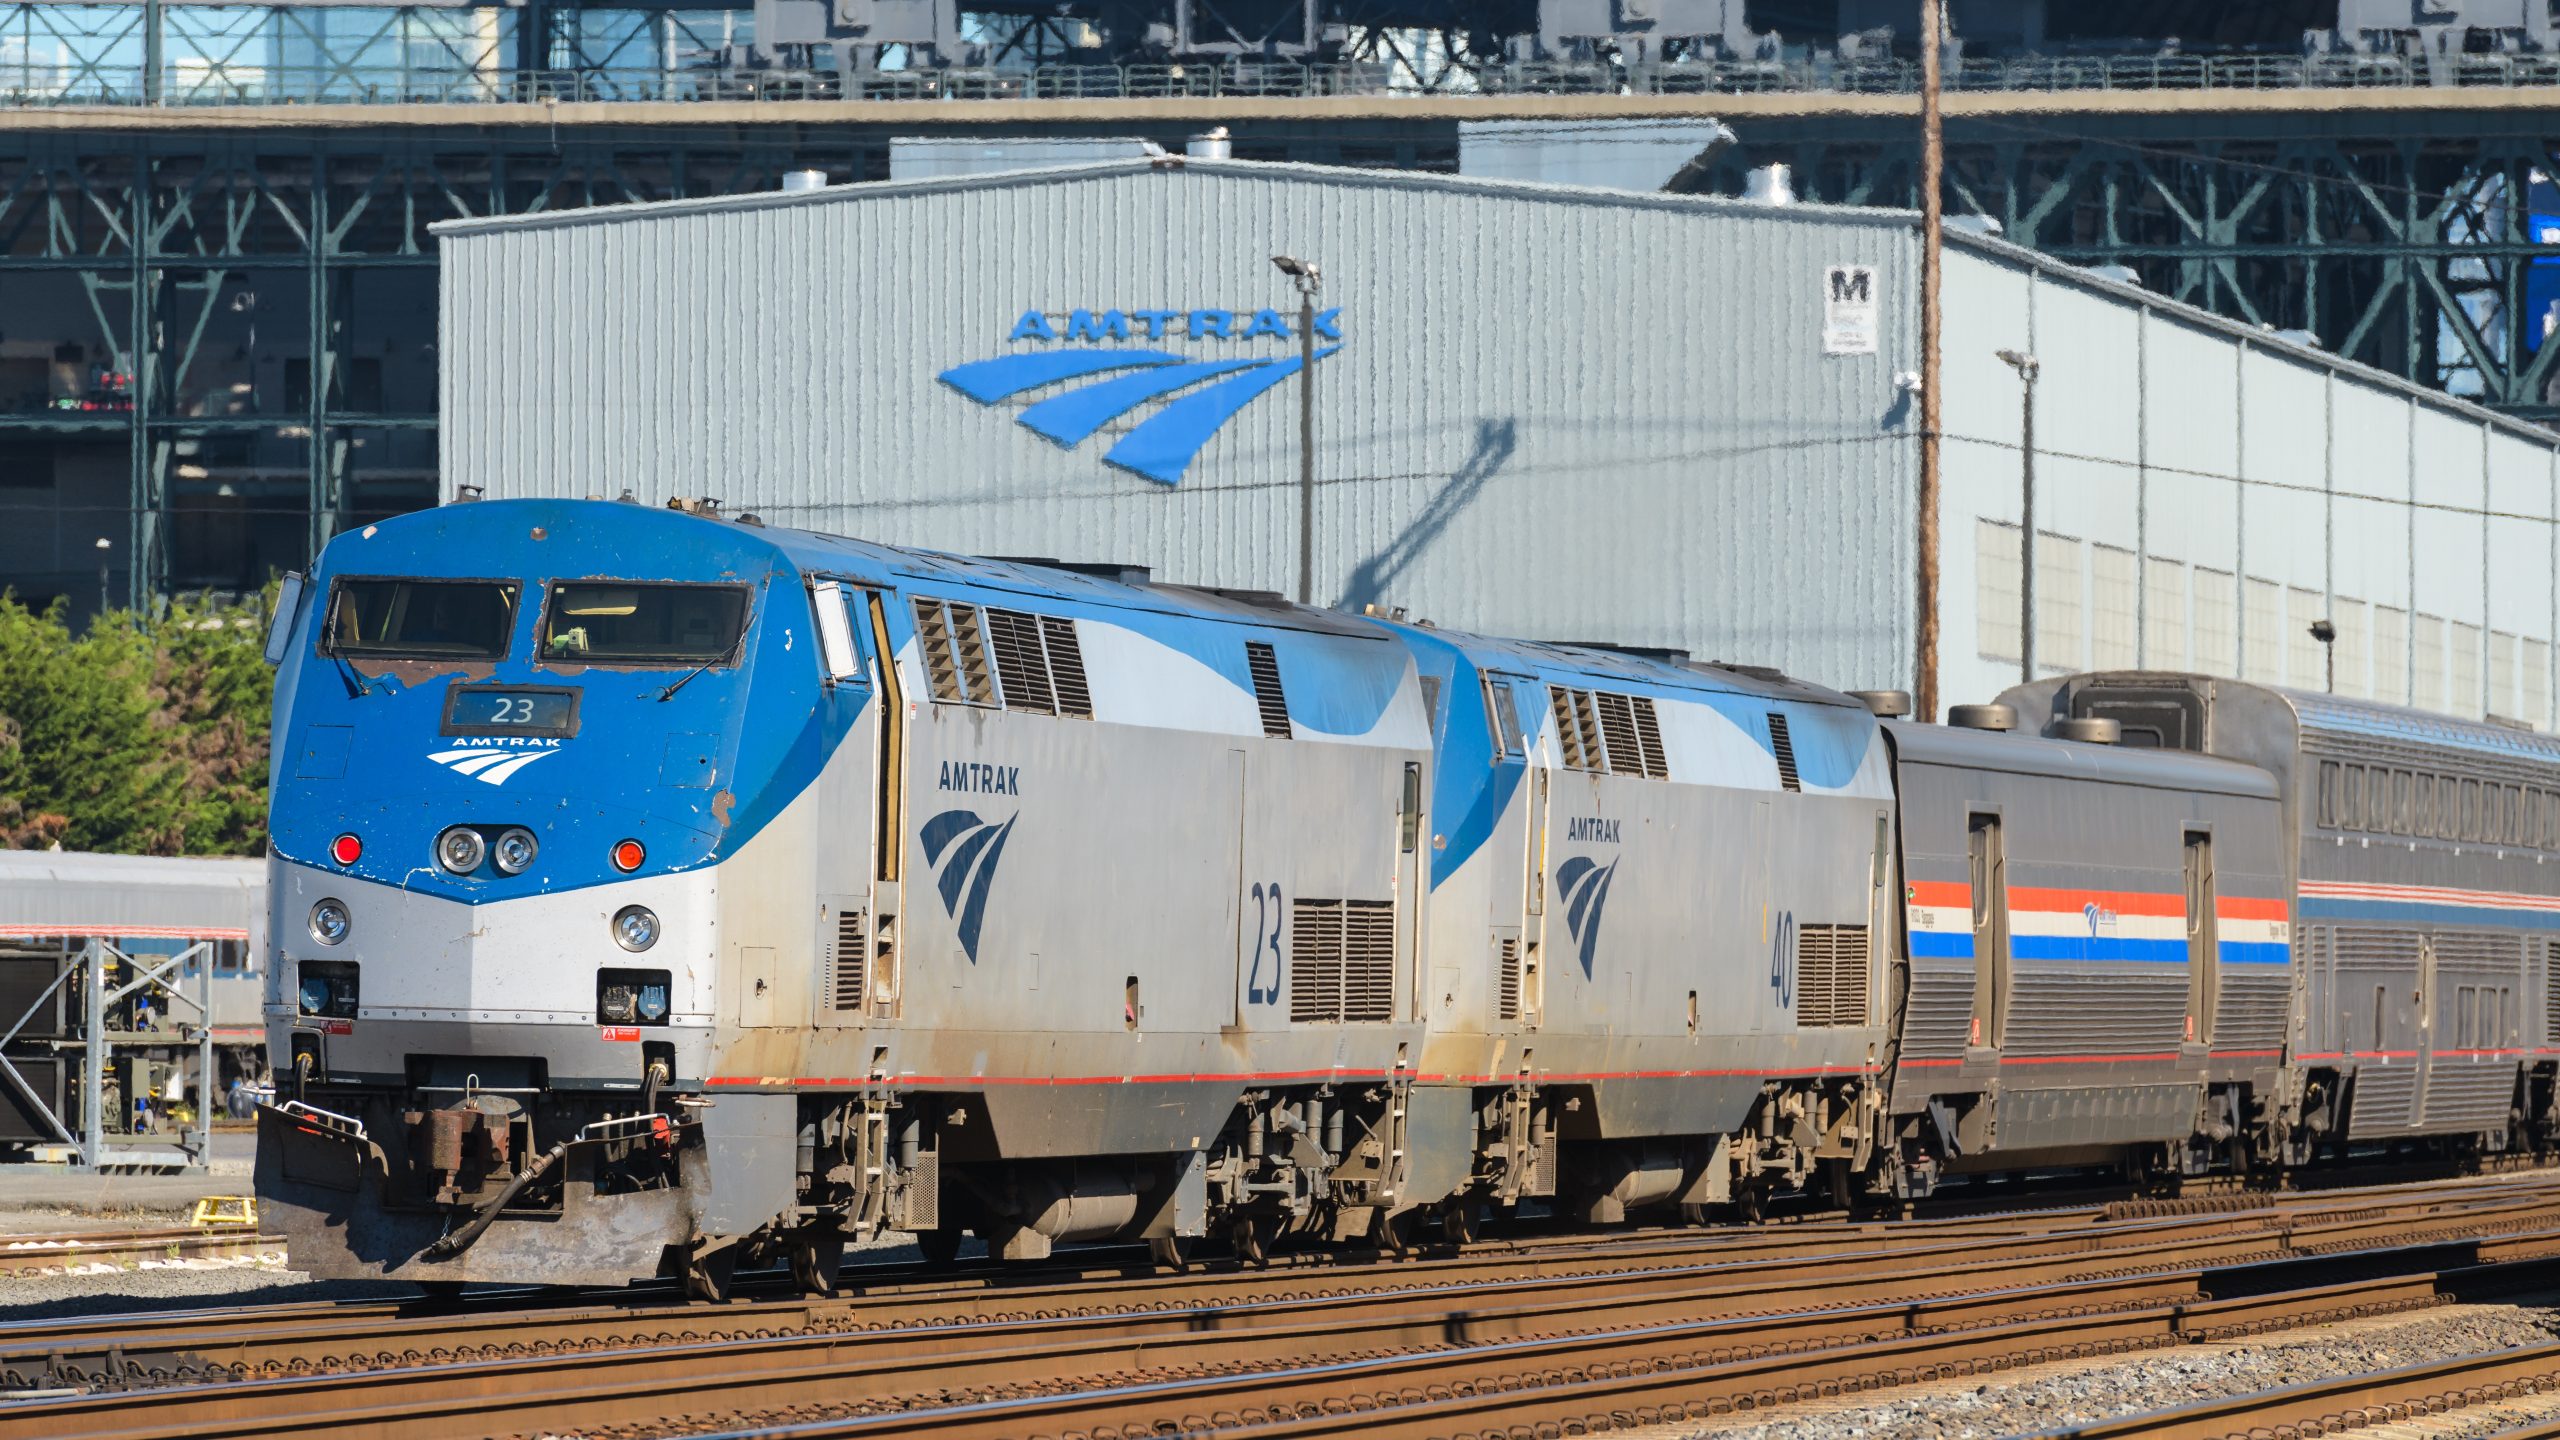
pixel 489 767
pixel 964 879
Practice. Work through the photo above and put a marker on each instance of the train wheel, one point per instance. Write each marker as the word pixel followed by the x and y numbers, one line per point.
pixel 709 1276
pixel 815 1262
pixel 1458 1221
pixel 1173 1252
pixel 940 1248
pixel 1252 1237
pixel 1392 1233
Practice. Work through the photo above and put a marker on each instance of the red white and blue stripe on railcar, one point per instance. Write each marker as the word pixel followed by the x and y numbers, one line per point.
pixel 2111 925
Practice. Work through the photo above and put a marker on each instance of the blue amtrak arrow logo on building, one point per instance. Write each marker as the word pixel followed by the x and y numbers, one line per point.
pixel 1586 889
pixel 1207 392
pixel 964 879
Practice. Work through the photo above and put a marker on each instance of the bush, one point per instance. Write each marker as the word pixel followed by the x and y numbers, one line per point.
pixel 144 736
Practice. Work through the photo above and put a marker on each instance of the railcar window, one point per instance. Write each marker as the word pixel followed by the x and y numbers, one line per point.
pixel 422 619
pixel 656 624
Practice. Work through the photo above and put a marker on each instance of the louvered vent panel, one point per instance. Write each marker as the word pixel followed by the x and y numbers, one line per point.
pixel 2373 946
pixel 1568 734
pixel 1785 747
pixel 1066 667
pixel 1315 960
pixel 1507 955
pixel 1649 740
pixel 1618 723
pixel 2551 991
pixel 1022 662
pixel 1587 721
pixel 1831 975
pixel 845 955
pixel 1267 694
pixel 933 629
pixel 1368 961
pixel 2496 954
pixel 969 644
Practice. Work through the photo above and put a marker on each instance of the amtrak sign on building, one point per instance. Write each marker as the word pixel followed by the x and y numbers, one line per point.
pixel 1068 377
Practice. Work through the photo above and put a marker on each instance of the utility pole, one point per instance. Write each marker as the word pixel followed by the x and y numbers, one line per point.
pixel 2026 365
pixel 1924 680
pixel 1309 281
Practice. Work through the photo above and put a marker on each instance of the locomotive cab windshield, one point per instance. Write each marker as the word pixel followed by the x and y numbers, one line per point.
pixel 644 625
pixel 404 618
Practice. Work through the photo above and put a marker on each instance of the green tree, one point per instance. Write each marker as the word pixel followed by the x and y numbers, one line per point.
pixel 137 736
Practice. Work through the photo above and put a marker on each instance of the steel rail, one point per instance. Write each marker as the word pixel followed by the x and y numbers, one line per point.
pixel 2351 1402
pixel 632 1385
pixel 125 1247
pixel 239 1344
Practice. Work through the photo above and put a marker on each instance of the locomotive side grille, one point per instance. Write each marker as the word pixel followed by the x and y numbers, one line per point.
pixel 1507 958
pixel 1066 667
pixel 1568 735
pixel 1315 960
pixel 1831 975
pixel 969 644
pixel 1588 723
pixel 1268 697
pixel 845 954
pixel 1368 961
pixel 1022 662
pixel 1649 740
pixel 1618 723
pixel 933 629
pixel 1342 955
pixel 1785 747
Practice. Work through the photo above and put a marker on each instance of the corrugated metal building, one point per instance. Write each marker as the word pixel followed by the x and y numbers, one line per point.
pixel 1545 411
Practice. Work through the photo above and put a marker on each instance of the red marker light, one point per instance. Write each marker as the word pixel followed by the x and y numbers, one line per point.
pixel 628 855
pixel 346 850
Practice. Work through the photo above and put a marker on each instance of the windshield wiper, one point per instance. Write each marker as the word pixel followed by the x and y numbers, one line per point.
pixel 686 678
pixel 359 684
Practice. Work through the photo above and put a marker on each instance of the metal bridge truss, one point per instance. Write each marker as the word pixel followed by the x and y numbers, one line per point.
pixel 2406 240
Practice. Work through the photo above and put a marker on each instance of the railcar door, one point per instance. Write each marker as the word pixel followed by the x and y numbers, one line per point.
pixel 861 822
pixel 1518 849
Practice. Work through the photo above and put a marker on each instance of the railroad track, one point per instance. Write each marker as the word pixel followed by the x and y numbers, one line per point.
pixel 1437 1347
pixel 125 1248
pixel 2355 1402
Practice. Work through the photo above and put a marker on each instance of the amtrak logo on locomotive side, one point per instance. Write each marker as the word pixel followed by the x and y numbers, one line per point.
pixel 973 779
pixel 963 880
pixel 1099 343
pixel 494 759
pixel 1592 828
pixel 1585 885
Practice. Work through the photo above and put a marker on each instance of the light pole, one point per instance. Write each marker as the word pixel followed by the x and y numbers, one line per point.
pixel 2327 635
pixel 1309 281
pixel 2026 365
pixel 104 546
pixel 1924 679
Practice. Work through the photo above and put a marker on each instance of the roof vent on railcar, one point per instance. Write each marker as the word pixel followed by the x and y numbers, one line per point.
pixel 1885 704
pixel 1118 572
pixel 1667 654
pixel 2088 730
pixel 2158 714
pixel 1982 717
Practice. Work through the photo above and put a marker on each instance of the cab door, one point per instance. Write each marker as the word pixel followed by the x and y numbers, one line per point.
pixel 1517 851
pixel 858 820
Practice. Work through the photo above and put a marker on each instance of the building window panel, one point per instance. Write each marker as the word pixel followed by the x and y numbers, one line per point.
pixel 2391 654
pixel 2164 614
pixel 2059 627
pixel 2305 666
pixel 2502 676
pixel 2536 699
pixel 2217 640
pixel 1997 572
pixel 2463 667
pixel 2426 662
pixel 2264 636
pixel 2113 620
pixel 2351 653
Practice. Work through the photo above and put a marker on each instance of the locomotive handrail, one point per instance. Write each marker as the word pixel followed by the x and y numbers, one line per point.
pixel 331 1123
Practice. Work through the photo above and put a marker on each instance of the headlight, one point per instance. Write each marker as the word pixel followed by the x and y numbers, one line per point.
pixel 635 927
pixel 461 849
pixel 328 922
pixel 315 995
pixel 514 851
pixel 619 1004
pixel 653 1003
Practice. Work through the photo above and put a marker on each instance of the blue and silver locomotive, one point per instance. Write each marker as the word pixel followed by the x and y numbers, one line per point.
pixel 653 889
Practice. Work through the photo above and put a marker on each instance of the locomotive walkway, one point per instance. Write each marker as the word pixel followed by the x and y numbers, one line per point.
pixel 1576 1332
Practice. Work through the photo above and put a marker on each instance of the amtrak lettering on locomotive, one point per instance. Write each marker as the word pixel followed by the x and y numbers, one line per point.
pixel 652 890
